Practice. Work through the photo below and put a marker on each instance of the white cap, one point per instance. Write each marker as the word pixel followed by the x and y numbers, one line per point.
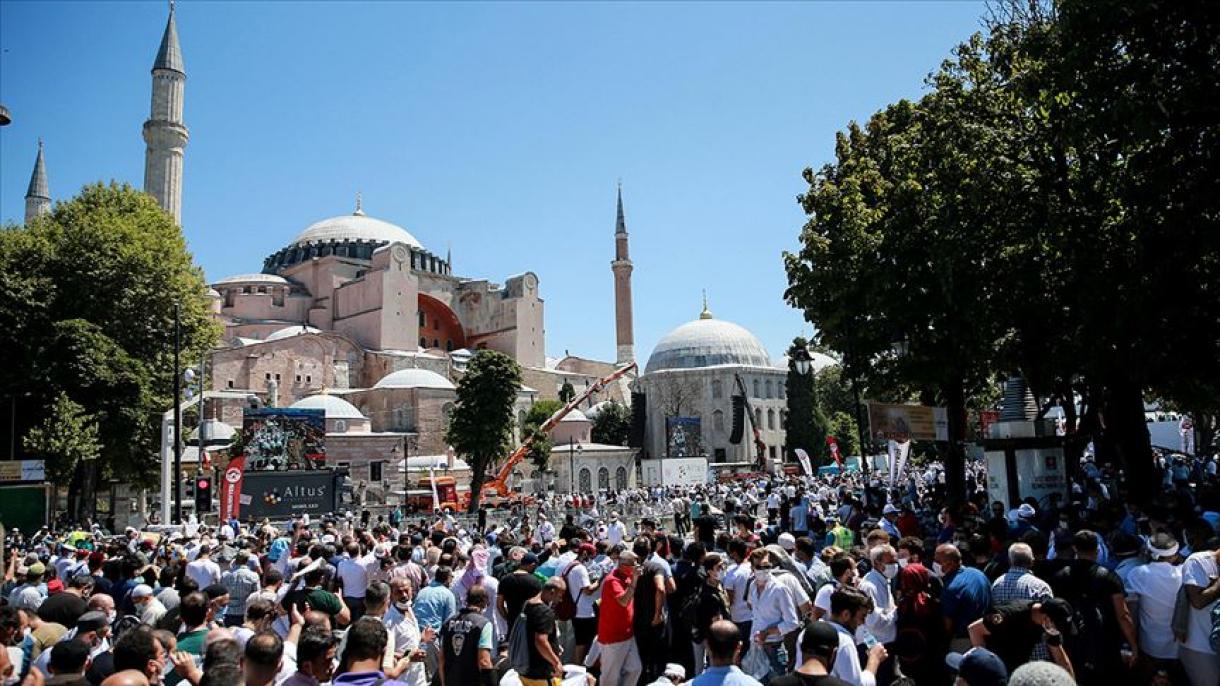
pixel 141 591
pixel 787 541
pixel 674 669
pixel 889 509
pixel 1026 511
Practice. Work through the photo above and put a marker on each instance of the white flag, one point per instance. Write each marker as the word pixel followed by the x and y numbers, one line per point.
pixel 436 498
pixel 804 458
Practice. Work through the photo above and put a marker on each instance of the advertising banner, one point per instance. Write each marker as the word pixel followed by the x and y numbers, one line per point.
pixel 805 463
pixel 230 488
pixel 897 453
pixel 683 437
pixel 281 438
pixel 833 444
pixel 289 494
pixel 907 422
pixel 23 470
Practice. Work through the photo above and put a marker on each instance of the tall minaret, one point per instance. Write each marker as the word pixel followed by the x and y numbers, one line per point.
pixel 621 266
pixel 38 197
pixel 164 131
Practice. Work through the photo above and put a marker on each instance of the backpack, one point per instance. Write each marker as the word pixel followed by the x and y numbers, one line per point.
pixel 565 609
pixel 1087 626
pixel 1214 637
pixel 519 645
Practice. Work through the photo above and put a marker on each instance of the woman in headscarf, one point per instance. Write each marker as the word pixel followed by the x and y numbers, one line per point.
pixel 476 574
pixel 921 642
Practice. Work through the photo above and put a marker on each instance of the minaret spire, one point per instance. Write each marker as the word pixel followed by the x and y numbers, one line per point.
pixel 621 266
pixel 165 134
pixel 706 313
pixel 38 196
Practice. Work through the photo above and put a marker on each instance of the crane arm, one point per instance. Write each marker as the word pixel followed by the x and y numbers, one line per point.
pixel 760 448
pixel 500 483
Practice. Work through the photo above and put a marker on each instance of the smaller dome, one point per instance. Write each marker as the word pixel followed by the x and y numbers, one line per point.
pixel 574 416
pixel 289 331
pixel 252 278
pixel 215 429
pixel 335 407
pixel 594 412
pixel 213 294
pixel 415 378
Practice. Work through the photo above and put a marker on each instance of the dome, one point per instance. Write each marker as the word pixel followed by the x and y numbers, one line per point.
pixel 574 416
pixel 356 227
pixel 595 411
pixel 335 407
pixel 415 378
pixel 252 278
pixel 289 331
pixel 707 342
pixel 215 429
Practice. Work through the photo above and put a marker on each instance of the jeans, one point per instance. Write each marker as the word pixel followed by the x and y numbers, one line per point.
pixel 700 656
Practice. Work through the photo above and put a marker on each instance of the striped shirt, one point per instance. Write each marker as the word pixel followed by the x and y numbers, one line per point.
pixel 240 583
pixel 1018 583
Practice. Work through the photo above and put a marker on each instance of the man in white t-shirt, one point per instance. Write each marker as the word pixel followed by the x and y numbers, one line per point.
pixel 1152 591
pixel 583 590
pixel 735 582
pixel 1201 575
pixel 202 569
pixel 615 530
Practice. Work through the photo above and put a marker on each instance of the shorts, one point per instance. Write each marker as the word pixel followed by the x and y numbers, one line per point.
pixel 585 629
pixel 553 681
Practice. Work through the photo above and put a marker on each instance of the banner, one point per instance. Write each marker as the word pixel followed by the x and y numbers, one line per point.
pixel 683 437
pixel 436 498
pixel 281 438
pixel 230 488
pixel 804 458
pixel 23 470
pixel 833 444
pixel 908 422
pixel 290 494
pixel 896 458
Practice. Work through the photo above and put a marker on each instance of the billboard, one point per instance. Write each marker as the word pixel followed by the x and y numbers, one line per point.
pixel 675 471
pixel 683 437
pixel 907 422
pixel 281 438
pixel 254 495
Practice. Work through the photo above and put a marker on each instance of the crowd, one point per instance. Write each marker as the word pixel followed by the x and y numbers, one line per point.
pixel 781 580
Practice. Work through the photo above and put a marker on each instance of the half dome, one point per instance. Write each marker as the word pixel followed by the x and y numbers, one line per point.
pixel 414 378
pixel 334 406
pixel 707 342
pixel 356 227
pixel 289 331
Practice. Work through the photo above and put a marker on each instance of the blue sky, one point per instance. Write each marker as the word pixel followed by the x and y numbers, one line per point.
pixel 497 129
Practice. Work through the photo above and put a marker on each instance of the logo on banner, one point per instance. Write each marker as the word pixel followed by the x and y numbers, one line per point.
pixel 230 488
pixel 833 444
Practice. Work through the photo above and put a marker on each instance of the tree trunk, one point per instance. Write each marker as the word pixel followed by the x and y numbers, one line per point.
pixel 955 455
pixel 86 503
pixel 1132 445
pixel 478 469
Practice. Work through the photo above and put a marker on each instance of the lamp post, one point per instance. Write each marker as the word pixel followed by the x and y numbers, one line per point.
pixel 802 361
pixel 177 415
pixel 573 448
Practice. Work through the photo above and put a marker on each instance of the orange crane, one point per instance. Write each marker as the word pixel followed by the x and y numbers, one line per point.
pixel 498 486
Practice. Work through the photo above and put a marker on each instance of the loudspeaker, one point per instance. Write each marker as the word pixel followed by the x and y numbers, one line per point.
pixel 639 417
pixel 739 418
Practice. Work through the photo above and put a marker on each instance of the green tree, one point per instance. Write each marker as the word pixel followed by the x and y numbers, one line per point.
pixel 612 424
pixel 481 427
pixel 87 297
pixel 541 411
pixel 843 428
pixel 806 425
pixel 540 448
pixel 566 392
pixel 66 439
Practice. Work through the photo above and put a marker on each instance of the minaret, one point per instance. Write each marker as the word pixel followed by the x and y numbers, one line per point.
pixel 164 132
pixel 38 197
pixel 621 266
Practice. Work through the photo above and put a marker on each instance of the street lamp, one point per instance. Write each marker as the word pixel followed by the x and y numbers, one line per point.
pixel 802 361
pixel 573 448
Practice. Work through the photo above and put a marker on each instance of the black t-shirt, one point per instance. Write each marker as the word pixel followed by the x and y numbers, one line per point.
pixel 1090 589
pixel 646 593
pixel 516 589
pixel 540 619
pixel 706 526
pixel 1013 632
pixel 798 679
pixel 62 608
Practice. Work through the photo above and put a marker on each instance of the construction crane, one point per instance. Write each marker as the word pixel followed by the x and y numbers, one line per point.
pixel 498 486
pixel 760 448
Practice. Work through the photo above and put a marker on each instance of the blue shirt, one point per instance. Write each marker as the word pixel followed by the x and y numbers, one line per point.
pixel 726 676
pixel 966 597
pixel 799 515
pixel 434 605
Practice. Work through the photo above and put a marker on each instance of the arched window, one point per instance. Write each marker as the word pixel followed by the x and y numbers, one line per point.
pixel 770 388
pixel 770 419
pixel 758 418
pixel 783 390
pixel 620 479
pixel 423 342
pixel 783 419
pixel 586 480
pixel 717 389
pixel 603 478
pixel 756 395
pixel 718 420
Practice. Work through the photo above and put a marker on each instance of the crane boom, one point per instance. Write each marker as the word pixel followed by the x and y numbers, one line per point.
pixel 499 485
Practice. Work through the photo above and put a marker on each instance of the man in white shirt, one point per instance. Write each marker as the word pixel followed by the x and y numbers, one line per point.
pixel 1152 592
pixel 615 530
pixel 583 590
pixel 774 613
pixel 354 572
pixel 848 609
pixel 735 582
pixel 202 569
pixel 882 621
pixel 546 530
pixel 1201 576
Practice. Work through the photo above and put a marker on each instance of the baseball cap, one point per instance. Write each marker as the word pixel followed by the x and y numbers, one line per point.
pixel 979 667
pixel 819 635
pixel 141 591
pixel 529 559
pixel 1026 511
pixel 890 509
pixel 675 669
pixel 787 541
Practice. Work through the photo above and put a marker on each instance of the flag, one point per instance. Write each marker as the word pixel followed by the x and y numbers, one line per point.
pixel 834 450
pixel 230 488
pixel 804 458
pixel 436 498
pixel 896 454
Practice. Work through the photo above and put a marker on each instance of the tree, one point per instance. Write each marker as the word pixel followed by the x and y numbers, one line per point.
pixel 843 428
pixel 541 411
pixel 481 427
pixel 612 424
pixel 87 297
pixel 806 426
pixel 540 448
pixel 566 392
pixel 67 439
pixel 674 394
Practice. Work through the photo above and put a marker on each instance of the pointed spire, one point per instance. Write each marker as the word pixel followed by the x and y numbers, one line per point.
pixel 38 180
pixel 706 313
pixel 621 224
pixel 359 205
pixel 170 55
pixel 449 255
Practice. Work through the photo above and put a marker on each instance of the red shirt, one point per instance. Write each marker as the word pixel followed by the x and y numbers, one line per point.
pixel 614 621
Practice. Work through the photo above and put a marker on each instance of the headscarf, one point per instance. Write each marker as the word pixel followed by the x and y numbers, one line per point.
pixel 476 568
pixel 915 582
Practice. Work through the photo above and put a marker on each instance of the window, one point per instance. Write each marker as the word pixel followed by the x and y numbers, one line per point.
pixel 756 394
pixel 758 418
pixel 375 471
pixel 603 478
pixel 771 451
pixel 719 455
pixel 770 388
pixel 783 419
pixel 277 377
pixel 718 420
pixel 423 320
pixel 620 479
pixel 268 375
pixel 308 378
pixel 717 389
pixel 771 419
pixel 783 390
pixel 298 378
pixel 436 343
pixel 449 345
pixel 586 480
pixel 230 382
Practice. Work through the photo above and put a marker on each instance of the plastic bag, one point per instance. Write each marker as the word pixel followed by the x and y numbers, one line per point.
pixel 755 663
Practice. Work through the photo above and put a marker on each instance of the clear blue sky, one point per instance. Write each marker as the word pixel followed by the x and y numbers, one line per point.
pixel 499 129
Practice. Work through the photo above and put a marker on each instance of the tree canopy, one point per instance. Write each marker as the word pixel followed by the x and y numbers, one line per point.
pixel 481 427
pixel 612 424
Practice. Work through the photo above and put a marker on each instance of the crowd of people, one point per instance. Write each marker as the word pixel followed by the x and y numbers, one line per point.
pixel 781 580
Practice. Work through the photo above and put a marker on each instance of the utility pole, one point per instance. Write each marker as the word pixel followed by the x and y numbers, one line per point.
pixel 177 415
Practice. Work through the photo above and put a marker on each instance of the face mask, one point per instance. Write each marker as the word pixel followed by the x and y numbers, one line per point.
pixel 111 616
pixel 890 571
pixel 936 569
pixel 762 575
pixel 903 562
pixel 402 605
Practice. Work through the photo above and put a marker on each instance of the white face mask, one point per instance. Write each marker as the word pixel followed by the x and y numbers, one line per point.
pixel 890 571
pixel 903 562
pixel 762 575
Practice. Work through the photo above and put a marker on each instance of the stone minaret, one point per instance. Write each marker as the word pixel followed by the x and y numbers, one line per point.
pixel 621 266
pixel 38 197
pixel 164 132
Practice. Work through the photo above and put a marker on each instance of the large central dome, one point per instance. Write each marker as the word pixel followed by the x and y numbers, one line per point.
pixel 353 227
pixel 707 342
